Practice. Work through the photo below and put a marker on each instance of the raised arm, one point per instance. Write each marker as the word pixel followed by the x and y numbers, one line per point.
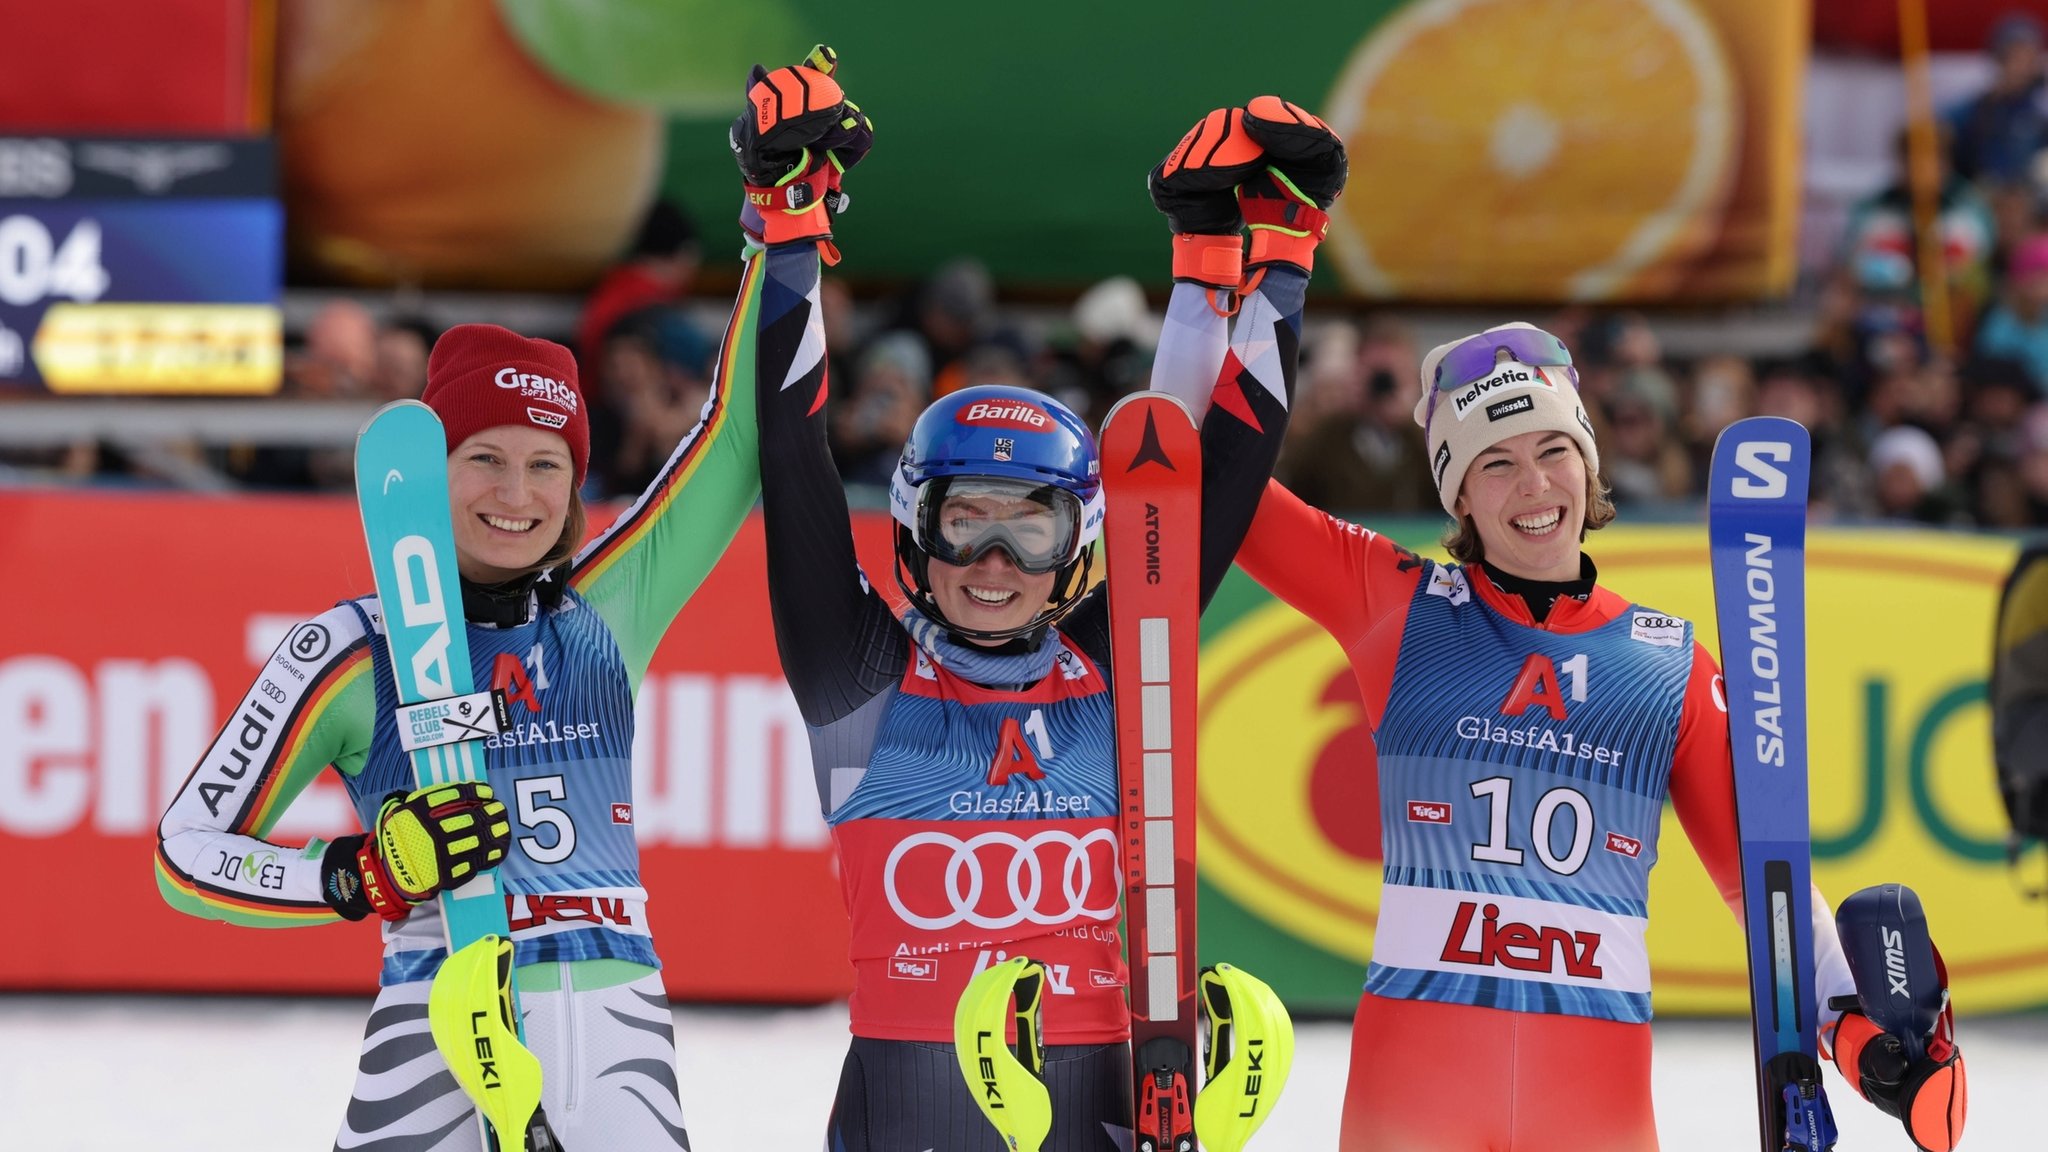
pixel 1274 168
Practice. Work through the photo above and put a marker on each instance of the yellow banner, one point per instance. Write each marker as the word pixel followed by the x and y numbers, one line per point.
pixel 161 348
pixel 1902 786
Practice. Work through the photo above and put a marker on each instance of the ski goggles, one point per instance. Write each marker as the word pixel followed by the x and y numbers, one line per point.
pixel 1476 357
pixel 960 518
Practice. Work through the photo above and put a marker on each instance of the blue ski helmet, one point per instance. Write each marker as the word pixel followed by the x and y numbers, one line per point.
pixel 1001 440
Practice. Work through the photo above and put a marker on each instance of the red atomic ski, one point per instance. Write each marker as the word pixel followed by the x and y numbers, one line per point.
pixel 1152 541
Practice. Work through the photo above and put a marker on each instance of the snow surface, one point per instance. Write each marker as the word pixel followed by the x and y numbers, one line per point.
pixel 215 1074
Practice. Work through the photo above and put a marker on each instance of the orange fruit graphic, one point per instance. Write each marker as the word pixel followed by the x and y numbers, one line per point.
pixel 1532 149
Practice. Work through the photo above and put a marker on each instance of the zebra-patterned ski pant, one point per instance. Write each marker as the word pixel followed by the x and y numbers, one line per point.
pixel 608 1067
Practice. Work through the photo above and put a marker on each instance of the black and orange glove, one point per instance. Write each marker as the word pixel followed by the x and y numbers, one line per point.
pixel 1196 187
pixel 1929 1095
pixel 1286 207
pixel 793 144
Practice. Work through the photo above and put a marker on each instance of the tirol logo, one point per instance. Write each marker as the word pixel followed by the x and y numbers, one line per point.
pixel 922 969
pixel 1428 812
pixel 1013 414
pixel 1509 377
pixel 1627 846
pixel 533 386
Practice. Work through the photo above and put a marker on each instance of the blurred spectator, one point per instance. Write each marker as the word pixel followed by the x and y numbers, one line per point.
pixel 659 269
pixel 658 367
pixel 955 310
pixel 1110 353
pixel 401 366
pixel 1881 253
pixel 339 355
pixel 2017 326
pixel 1912 480
pixel 842 333
pixel 1840 483
pixel 1354 446
pixel 1646 463
pixel 892 384
pixel 1723 391
pixel 2000 132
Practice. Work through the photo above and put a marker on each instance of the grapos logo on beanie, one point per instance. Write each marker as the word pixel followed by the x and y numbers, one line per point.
pixel 534 386
pixel 483 376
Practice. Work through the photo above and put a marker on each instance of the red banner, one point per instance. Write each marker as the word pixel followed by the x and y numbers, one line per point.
pixel 143 618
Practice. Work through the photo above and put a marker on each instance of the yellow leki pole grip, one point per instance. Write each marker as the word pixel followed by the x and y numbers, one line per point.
pixel 1010 1094
pixel 469 1011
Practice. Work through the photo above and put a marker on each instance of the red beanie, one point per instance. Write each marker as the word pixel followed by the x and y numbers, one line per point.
pixel 481 376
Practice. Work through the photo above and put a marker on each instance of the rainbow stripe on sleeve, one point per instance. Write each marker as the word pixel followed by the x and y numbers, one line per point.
pixel 634 524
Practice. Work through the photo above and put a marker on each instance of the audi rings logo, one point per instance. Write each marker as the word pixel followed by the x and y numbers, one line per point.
pixel 966 869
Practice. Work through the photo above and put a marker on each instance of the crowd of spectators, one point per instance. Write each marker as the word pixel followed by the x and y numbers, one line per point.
pixel 1904 428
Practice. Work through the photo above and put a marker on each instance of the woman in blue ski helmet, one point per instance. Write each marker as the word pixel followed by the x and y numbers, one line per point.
pixel 962 734
pixel 1002 487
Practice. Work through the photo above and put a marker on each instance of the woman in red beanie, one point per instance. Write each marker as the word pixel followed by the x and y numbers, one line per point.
pixel 565 633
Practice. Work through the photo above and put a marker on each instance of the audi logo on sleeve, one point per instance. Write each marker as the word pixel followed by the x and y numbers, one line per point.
pixel 998 879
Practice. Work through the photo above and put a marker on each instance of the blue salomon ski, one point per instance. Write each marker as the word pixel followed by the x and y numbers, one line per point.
pixel 1757 529
pixel 402 490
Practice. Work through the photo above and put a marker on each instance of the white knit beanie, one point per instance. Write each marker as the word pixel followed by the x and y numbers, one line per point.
pixel 1478 414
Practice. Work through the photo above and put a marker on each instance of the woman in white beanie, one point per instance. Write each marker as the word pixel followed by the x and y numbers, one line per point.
pixel 1529 726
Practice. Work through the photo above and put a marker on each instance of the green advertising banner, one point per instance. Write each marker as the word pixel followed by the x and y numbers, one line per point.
pixel 1502 150
pixel 1899 644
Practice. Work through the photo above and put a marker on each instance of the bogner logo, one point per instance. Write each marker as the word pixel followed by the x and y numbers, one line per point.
pixel 1006 414
pixel 1428 812
pixel 419 601
pixel 1509 377
pixel 534 386
pixel 1523 947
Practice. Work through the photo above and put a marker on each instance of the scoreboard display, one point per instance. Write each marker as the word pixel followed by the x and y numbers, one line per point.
pixel 140 266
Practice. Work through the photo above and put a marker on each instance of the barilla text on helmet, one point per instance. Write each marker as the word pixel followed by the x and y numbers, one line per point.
pixel 533 386
pixel 1511 376
pixel 1014 414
